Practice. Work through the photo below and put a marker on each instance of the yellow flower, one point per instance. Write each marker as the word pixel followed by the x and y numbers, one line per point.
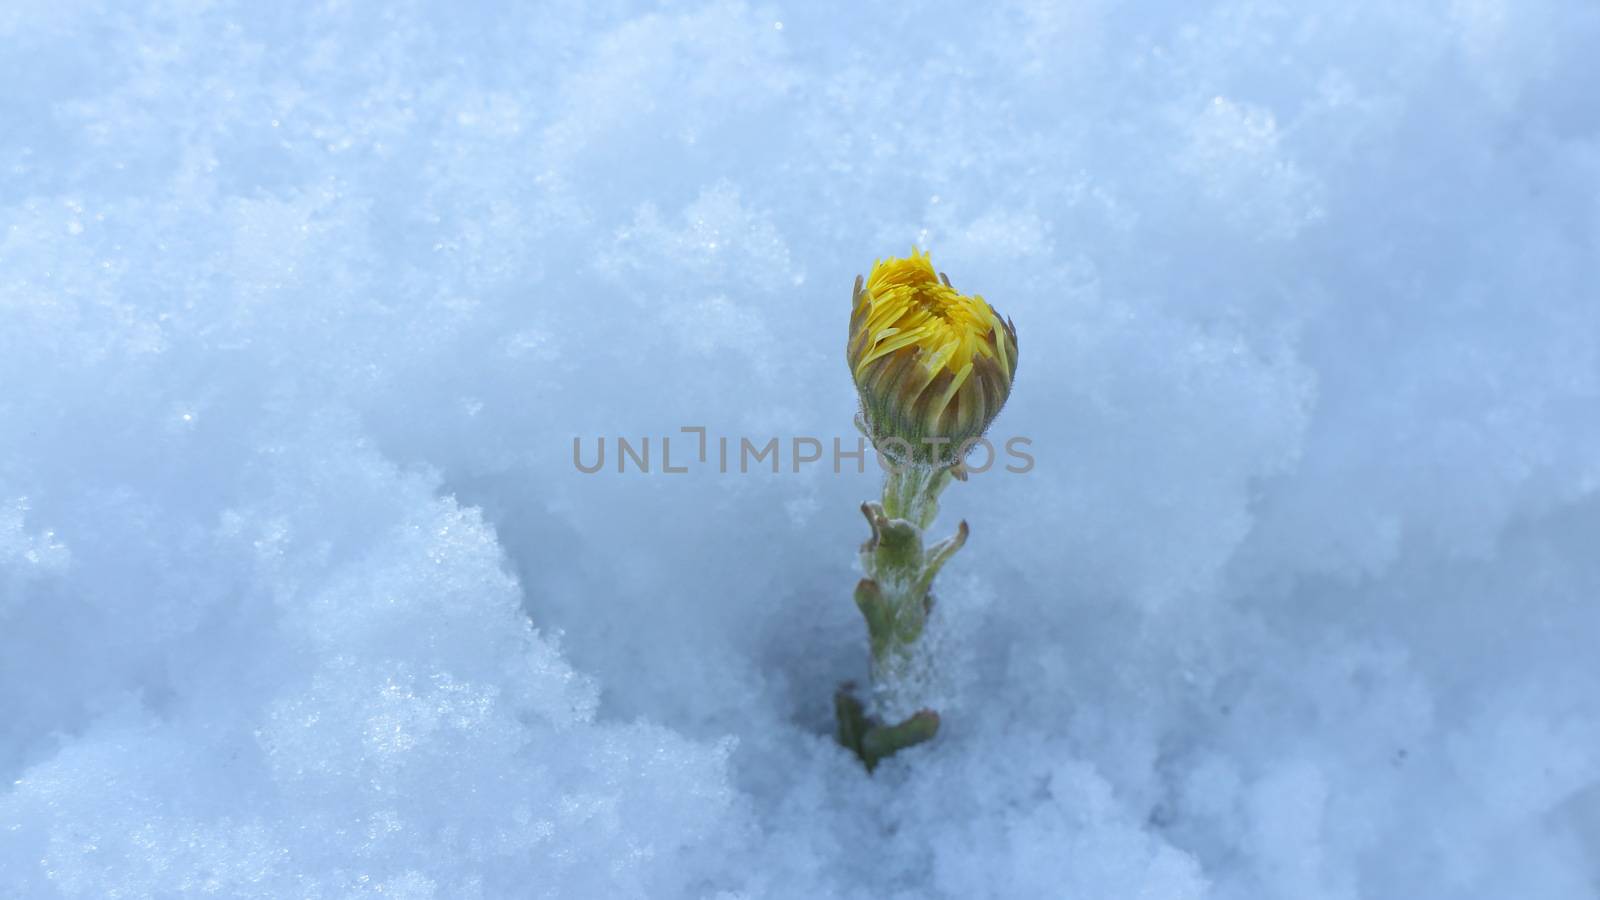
pixel 933 366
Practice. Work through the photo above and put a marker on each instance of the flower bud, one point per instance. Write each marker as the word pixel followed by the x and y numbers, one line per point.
pixel 932 366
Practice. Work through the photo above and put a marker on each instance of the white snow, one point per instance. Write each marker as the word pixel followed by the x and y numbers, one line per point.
pixel 303 305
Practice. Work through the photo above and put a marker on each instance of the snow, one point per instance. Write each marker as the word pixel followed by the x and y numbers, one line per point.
pixel 302 596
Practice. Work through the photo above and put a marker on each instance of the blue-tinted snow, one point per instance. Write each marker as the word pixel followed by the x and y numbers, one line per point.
pixel 301 306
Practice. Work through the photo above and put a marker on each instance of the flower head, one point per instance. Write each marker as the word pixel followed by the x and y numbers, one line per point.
pixel 933 366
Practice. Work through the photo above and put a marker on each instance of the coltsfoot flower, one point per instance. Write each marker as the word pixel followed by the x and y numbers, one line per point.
pixel 932 365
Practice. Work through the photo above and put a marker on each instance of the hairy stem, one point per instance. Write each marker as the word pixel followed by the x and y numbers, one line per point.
pixel 895 599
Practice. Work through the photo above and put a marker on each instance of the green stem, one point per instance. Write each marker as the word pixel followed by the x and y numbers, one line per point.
pixel 895 599
pixel 911 492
